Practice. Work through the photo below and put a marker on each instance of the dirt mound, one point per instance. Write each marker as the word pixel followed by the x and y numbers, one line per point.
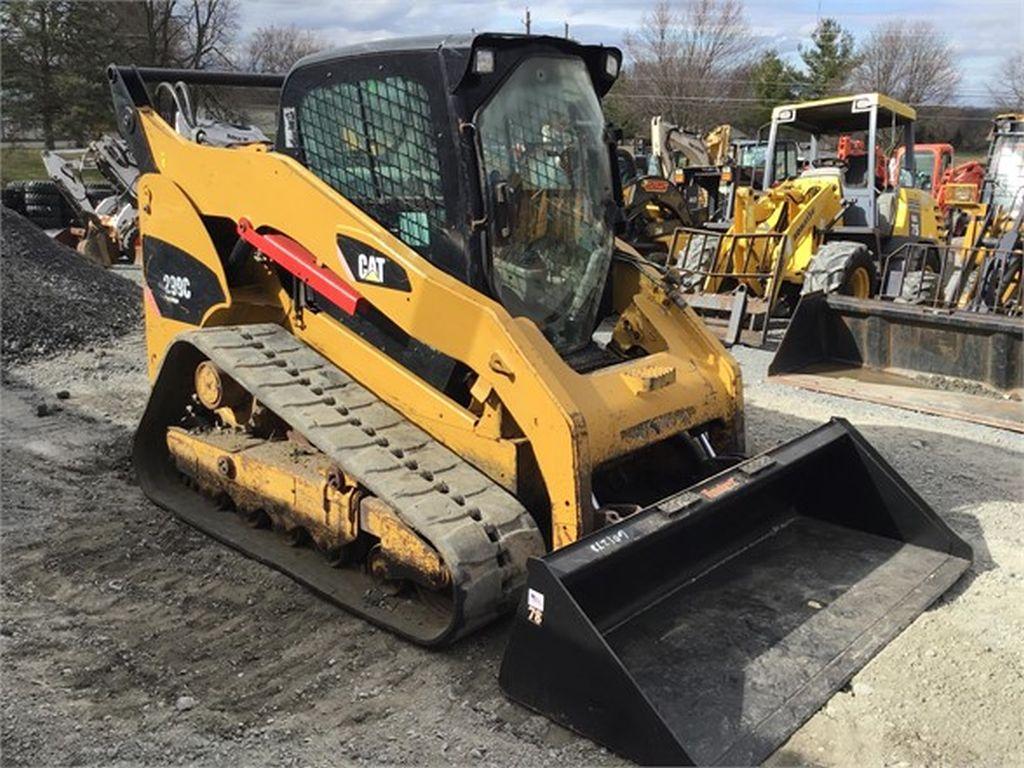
pixel 52 299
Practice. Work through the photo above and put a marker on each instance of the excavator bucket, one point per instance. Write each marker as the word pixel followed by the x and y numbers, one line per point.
pixel 966 365
pixel 707 628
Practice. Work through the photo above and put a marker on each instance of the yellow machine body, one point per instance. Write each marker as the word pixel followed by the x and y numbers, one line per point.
pixel 571 422
pixel 828 228
pixel 801 211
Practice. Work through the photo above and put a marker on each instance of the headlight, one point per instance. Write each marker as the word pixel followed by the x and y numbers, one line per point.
pixel 483 61
pixel 611 65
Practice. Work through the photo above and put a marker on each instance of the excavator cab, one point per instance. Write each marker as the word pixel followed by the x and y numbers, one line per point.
pixel 931 162
pixel 400 356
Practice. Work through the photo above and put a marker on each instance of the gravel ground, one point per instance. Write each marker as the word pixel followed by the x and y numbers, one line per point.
pixel 127 638
pixel 54 299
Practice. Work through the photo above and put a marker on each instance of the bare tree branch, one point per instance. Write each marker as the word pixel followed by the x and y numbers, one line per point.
pixel 911 62
pixel 1007 89
pixel 686 61
pixel 210 32
pixel 182 33
pixel 274 48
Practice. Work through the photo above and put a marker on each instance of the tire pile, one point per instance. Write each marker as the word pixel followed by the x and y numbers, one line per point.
pixel 42 203
pixel 53 299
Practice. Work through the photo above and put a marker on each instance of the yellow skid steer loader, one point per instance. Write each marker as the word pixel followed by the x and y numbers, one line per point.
pixel 399 355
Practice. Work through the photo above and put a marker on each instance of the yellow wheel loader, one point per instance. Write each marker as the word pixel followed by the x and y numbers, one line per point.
pixel 944 331
pixel 828 228
pixel 399 355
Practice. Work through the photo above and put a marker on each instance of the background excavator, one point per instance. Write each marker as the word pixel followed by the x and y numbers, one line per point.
pixel 685 183
pixel 400 355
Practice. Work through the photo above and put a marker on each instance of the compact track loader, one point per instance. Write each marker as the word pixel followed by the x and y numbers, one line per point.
pixel 399 355
pixel 944 332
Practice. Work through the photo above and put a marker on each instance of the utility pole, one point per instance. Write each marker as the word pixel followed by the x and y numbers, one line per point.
pixel 567 30
pixel 526 20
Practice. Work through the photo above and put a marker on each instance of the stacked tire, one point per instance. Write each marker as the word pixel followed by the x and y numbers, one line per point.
pixel 44 205
pixel 14 196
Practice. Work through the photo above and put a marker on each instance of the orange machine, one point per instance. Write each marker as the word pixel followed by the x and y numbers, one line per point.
pixel 851 150
pixel 935 171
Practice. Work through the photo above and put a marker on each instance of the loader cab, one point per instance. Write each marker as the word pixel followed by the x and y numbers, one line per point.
pixel 749 159
pixel 487 155
pixel 850 137
pixel 931 162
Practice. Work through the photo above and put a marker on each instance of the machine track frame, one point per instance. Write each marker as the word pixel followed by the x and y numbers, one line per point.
pixel 481 532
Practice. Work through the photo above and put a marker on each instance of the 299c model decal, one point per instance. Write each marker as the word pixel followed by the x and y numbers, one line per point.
pixel 176 287
pixel 182 287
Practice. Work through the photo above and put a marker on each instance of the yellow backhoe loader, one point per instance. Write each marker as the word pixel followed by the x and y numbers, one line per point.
pixel 399 355
pixel 827 229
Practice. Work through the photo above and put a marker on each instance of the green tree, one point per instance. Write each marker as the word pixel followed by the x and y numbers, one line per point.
pixel 620 110
pixel 829 60
pixel 55 52
pixel 773 82
pixel 54 55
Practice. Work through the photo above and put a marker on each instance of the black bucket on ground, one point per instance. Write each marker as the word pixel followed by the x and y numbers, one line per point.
pixel 707 628
pixel 965 365
pixel 844 332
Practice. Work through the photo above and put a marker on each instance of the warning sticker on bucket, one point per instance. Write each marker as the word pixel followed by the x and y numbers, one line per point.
pixel 720 489
pixel 535 606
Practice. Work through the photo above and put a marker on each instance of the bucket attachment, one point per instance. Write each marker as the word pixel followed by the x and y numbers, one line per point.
pixel 707 628
pixel 966 365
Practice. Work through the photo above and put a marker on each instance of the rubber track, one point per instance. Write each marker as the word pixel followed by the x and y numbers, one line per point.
pixel 482 532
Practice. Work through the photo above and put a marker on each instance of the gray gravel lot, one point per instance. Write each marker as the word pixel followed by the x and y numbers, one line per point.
pixel 128 638
pixel 53 299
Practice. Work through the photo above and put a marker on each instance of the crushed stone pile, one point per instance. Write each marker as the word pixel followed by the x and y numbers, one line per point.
pixel 52 299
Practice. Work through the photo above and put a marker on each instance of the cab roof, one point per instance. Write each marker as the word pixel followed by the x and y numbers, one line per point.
pixel 843 114
pixel 456 51
pixel 389 45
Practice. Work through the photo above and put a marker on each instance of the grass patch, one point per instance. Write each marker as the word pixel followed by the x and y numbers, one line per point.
pixel 26 164
pixel 21 164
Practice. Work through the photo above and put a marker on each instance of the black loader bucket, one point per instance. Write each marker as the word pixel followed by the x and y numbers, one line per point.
pixel 966 365
pixel 707 628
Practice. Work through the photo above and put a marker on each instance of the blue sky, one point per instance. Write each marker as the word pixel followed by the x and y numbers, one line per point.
pixel 983 32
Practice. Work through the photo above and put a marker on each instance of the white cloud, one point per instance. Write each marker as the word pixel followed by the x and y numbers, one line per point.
pixel 983 32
